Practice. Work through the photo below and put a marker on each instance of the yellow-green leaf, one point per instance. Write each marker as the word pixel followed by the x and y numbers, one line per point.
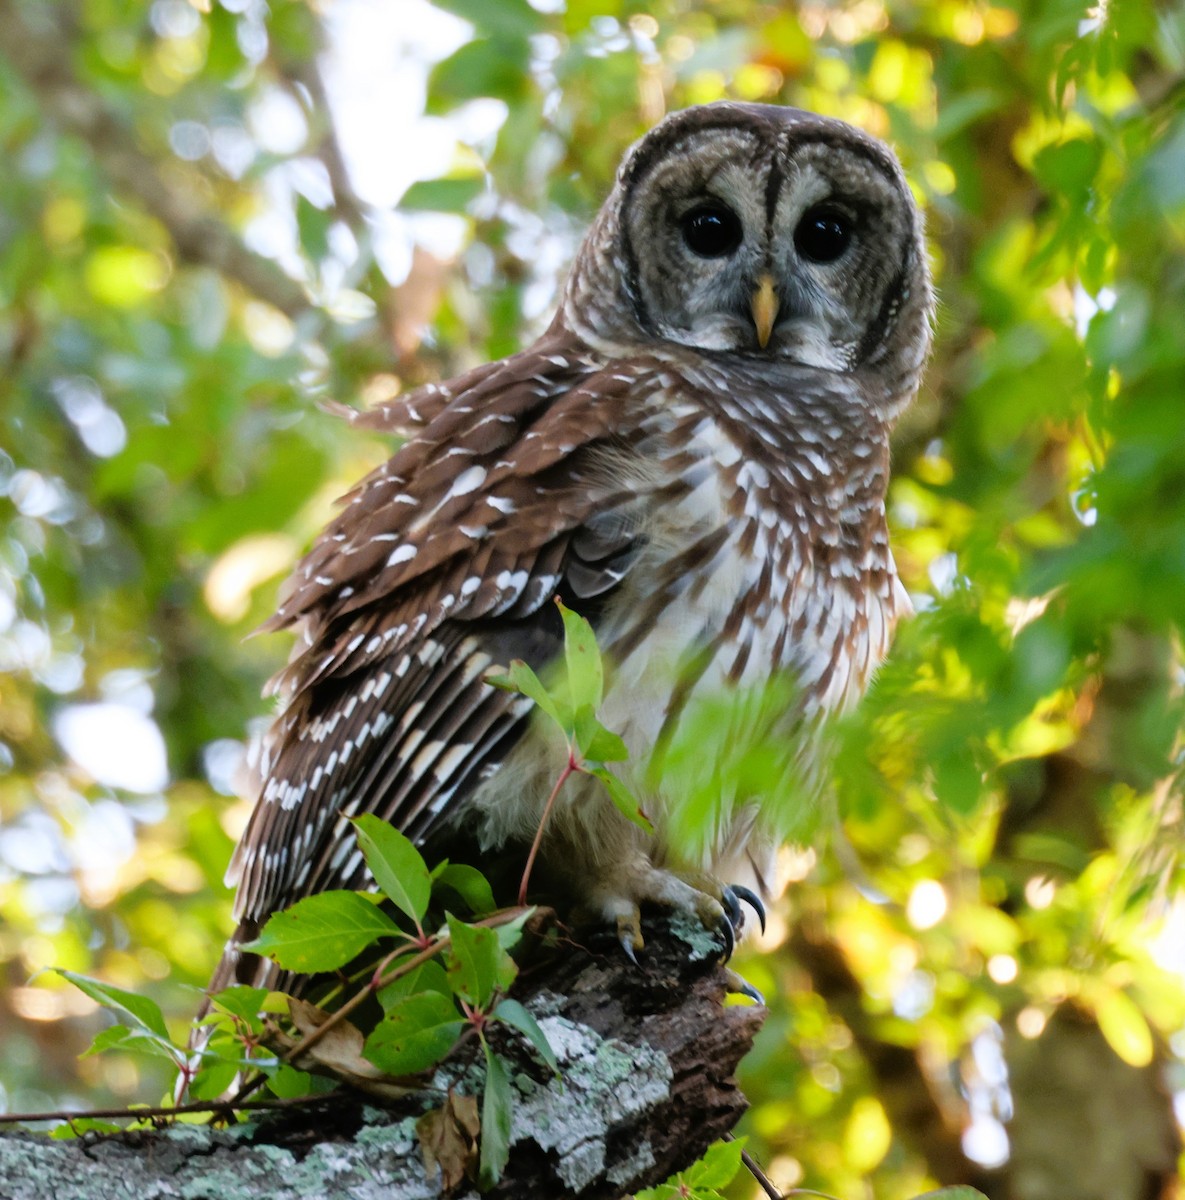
pixel 1124 1026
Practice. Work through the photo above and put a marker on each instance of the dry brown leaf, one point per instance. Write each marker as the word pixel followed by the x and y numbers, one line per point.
pixel 448 1140
pixel 338 1054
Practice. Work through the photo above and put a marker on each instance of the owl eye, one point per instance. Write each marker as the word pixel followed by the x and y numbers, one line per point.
pixel 711 231
pixel 823 234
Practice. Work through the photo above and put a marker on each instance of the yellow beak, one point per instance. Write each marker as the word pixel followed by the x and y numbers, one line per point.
pixel 765 309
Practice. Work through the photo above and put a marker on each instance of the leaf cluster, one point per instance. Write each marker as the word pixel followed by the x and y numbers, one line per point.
pixel 435 988
pixel 572 704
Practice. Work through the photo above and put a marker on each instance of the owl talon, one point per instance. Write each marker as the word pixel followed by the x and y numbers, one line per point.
pixel 752 900
pixel 627 944
pixel 629 935
pixel 732 907
pixel 716 906
pixel 743 987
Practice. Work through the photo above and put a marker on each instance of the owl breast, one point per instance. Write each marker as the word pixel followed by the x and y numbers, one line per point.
pixel 772 556
pixel 760 555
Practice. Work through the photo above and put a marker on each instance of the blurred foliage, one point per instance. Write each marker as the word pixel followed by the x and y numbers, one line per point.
pixel 1010 792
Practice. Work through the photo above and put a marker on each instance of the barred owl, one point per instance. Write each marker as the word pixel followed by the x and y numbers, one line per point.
pixel 694 456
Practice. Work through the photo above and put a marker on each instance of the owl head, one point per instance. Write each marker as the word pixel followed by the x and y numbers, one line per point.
pixel 767 232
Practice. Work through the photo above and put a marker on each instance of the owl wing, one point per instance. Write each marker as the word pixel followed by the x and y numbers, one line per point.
pixel 442 565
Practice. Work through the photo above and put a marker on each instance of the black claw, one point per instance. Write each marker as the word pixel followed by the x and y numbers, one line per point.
pixel 730 938
pixel 732 907
pixel 744 988
pixel 752 900
pixel 754 994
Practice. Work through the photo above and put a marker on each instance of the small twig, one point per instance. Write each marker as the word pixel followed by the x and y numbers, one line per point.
pixel 149 1113
pixel 763 1180
pixel 766 1184
pixel 339 1014
pixel 311 1039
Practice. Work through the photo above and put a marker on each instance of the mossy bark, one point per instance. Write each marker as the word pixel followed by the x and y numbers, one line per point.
pixel 647 1057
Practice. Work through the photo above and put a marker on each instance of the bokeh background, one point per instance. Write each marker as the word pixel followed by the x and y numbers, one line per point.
pixel 216 215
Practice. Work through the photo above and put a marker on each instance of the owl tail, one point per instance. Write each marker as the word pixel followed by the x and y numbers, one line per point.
pixel 234 967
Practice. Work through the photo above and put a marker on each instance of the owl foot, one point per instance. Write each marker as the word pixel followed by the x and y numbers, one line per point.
pixel 729 896
pixel 716 906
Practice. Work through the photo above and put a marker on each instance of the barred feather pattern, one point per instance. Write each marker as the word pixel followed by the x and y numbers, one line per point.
pixel 724 505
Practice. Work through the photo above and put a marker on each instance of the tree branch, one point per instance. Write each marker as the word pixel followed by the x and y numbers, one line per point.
pixel 297 74
pixel 647 1057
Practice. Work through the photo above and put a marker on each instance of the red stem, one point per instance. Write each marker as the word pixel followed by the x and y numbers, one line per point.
pixel 570 768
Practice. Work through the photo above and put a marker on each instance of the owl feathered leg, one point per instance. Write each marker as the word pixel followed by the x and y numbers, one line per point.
pixel 611 870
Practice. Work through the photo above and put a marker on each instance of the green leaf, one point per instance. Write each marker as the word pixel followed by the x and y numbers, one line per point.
pixel 515 1014
pixel 520 678
pixel 966 109
pixel 293 27
pixel 287 1082
pixel 443 195
pixel 213 1078
pixel 497 1111
pixel 415 1034
pixel 510 934
pixel 961 1192
pixel 322 932
pixel 397 866
pixel 1125 1027
pixel 133 1041
pixel 143 1012
pixel 958 782
pixel 586 676
pixel 718 1167
pixel 495 66
pixel 622 797
pixel 312 224
pixel 703 1179
pixel 427 977
pixel 77 1126
pixel 477 965
pixel 243 1002
pixel 514 18
pixel 596 743
pixel 1069 168
pixel 225 1046
pixel 470 884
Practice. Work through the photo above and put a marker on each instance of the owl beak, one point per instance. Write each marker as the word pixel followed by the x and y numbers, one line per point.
pixel 764 307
